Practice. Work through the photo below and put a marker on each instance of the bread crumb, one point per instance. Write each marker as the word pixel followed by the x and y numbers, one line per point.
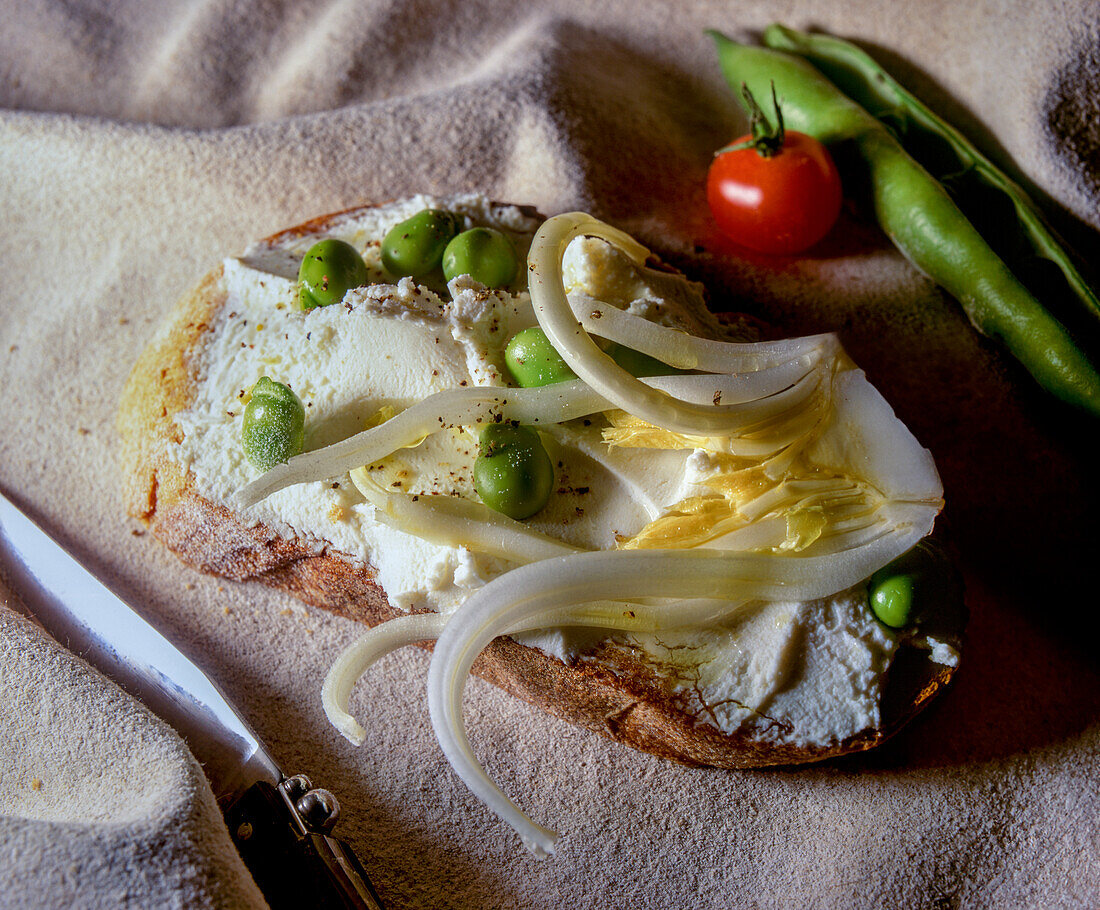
pixel 286 612
pixel 36 784
pixel 336 513
pixel 226 611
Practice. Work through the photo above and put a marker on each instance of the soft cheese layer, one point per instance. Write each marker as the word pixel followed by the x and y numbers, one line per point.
pixel 796 672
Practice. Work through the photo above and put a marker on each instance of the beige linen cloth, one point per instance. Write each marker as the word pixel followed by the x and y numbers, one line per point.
pixel 140 143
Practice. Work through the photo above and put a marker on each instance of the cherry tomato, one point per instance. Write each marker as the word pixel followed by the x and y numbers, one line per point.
pixel 781 203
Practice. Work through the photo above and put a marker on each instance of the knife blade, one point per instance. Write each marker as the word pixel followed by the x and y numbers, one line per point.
pixel 281 825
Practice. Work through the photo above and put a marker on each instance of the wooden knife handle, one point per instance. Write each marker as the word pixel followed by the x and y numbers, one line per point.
pixel 294 864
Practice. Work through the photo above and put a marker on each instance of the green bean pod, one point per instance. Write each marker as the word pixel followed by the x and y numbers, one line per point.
pixel 983 191
pixel 921 219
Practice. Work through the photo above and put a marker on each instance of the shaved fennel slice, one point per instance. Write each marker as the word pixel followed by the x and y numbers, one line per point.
pixel 866 435
pixel 456 522
pixel 838 535
pixel 534 589
pixel 591 364
pixel 808 491
pixel 859 475
pixel 808 408
pixel 690 352
pixel 354 661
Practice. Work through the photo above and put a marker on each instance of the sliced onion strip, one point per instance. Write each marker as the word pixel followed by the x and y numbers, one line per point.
pixel 452 521
pixel 356 660
pixel 544 405
pixel 402 631
pixel 533 589
pixel 577 348
pixel 456 407
pixel 739 387
pixel 690 352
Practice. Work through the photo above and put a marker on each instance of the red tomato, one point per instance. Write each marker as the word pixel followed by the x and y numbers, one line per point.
pixel 780 204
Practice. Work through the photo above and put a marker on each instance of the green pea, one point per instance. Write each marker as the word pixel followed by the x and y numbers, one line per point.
pixel 512 472
pixel 484 254
pixel 913 586
pixel 892 599
pixel 415 246
pixel 532 359
pixel 274 425
pixel 638 364
pixel 329 270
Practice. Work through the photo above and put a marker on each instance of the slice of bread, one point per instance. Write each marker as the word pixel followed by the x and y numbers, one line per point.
pixel 610 689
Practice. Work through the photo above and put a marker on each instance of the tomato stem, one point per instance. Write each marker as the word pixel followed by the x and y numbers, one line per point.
pixel 766 139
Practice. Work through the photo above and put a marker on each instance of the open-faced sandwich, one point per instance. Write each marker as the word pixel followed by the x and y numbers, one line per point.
pixel 530 441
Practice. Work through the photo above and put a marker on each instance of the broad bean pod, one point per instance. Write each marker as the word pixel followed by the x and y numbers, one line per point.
pixel 998 206
pixel 920 217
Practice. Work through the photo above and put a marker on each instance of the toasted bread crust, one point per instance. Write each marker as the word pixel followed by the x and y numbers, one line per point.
pixel 609 691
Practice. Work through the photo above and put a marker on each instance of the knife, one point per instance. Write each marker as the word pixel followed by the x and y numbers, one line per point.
pixel 281 825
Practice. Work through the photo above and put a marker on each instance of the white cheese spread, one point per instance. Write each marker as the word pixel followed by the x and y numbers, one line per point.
pixel 806 673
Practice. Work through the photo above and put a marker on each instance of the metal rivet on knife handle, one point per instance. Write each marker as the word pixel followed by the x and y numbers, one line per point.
pixel 319 810
pixel 297 786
